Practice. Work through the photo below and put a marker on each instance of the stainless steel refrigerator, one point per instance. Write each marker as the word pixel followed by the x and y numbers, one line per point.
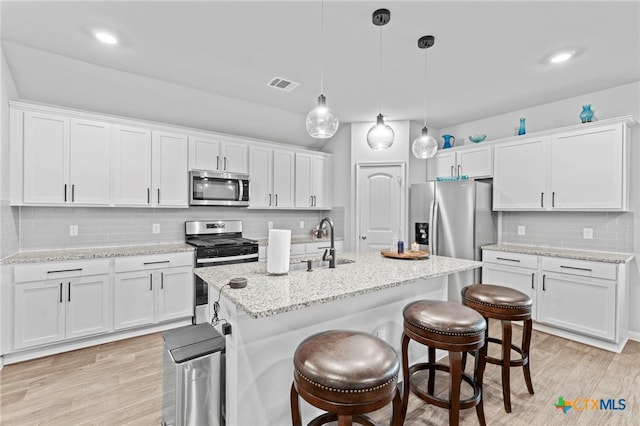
pixel 454 219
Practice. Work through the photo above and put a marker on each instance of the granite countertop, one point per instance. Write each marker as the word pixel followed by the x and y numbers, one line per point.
pixel 595 256
pixel 93 253
pixel 267 295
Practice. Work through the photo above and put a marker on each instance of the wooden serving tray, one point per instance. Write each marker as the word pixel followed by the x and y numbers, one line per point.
pixel 422 254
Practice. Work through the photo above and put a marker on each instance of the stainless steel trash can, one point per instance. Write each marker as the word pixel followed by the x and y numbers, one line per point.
pixel 193 377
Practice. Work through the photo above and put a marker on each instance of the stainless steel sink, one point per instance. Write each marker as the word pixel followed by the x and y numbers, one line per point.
pixel 303 265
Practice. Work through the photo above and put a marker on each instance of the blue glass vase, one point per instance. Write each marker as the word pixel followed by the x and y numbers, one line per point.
pixel 449 140
pixel 522 130
pixel 586 115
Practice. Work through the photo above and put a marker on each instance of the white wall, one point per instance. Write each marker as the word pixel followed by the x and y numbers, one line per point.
pixel 614 102
pixel 8 215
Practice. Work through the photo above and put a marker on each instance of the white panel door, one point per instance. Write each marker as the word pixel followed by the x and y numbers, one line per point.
pixel 46 154
pixel 260 175
pixel 303 181
pixel 169 170
pixel 88 306
pixel 131 166
pixel 235 157
pixel 204 153
pixel 283 175
pixel 39 313
pixel 175 297
pixel 520 176
pixel 379 205
pixel 134 299
pixel 587 169
pixel 89 153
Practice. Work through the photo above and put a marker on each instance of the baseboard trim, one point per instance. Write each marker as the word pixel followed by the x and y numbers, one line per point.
pixel 634 335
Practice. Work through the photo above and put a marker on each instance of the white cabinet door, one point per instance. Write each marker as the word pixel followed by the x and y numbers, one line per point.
pixel 134 299
pixel 322 182
pixel 579 304
pixel 303 198
pixel 521 279
pixel 46 154
pixel 442 164
pixel 588 169
pixel 475 162
pixel 204 153
pixel 131 166
pixel 260 173
pixel 89 154
pixel 88 306
pixel 169 170
pixel 39 313
pixel 283 175
pixel 175 297
pixel 235 157
pixel 520 176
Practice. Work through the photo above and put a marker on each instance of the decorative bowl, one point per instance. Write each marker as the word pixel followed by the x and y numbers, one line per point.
pixel 477 138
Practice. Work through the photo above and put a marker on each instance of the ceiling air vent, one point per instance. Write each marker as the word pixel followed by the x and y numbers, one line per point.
pixel 282 84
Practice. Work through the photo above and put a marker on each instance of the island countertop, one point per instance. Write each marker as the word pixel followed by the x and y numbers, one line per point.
pixel 267 295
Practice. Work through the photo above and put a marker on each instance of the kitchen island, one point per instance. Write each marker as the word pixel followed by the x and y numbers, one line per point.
pixel 273 314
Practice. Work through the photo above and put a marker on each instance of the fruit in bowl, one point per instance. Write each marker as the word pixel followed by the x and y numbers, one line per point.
pixel 477 138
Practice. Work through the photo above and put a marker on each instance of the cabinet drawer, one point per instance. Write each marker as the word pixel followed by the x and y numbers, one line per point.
pixel 153 261
pixel 511 259
pixel 607 271
pixel 55 270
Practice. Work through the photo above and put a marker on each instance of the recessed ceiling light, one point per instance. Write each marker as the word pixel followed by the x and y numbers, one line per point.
pixel 106 38
pixel 560 57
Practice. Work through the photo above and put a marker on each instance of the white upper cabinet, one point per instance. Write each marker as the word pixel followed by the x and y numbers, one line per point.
pixel 170 180
pixel 131 166
pixel 589 169
pixel 271 174
pixel 584 169
pixel 313 179
pixel 66 161
pixel 218 155
pixel 471 161
pixel 520 175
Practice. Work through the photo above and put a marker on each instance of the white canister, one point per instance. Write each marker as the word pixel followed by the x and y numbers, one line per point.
pixel 278 251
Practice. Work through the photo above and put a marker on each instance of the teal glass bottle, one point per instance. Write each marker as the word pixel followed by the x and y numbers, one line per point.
pixel 587 114
pixel 522 130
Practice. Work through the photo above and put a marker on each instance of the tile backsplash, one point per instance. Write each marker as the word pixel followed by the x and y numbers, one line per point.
pixel 611 231
pixel 47 228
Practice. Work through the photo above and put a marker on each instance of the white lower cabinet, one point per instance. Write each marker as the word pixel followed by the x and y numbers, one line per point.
pixel 61 303
pixel 151 289
pixel 583 297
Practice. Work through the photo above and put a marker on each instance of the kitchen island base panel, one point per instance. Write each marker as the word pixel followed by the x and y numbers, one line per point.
pixel 260 351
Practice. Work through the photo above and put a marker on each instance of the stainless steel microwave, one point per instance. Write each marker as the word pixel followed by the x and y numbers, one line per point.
pixel 209 188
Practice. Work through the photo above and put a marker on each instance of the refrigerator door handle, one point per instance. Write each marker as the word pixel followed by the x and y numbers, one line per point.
pixel 430 231
pixel 434 228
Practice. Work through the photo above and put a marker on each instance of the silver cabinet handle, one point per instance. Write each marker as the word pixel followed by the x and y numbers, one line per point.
pixel 459 168
pixel 451 171
pixel 310 200
pixel 553 199
pixel 542 199
pixel 217 162
pixel 158 195
pixel 60 292
pixel 276 200
pixel 161 280
pixel 65 192
pixel 269 199
pixel 148 195
pixel 69 295
pixel 533 275
pixel 64 270
pixel 73 193
pixel 156 262
pixel 577 269
pixel 150 282
pixel 544 282
pixel 507 259
pixel 315 201
pixel 225 163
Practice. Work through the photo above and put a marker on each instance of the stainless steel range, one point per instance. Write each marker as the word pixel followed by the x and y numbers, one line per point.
pixel 217 242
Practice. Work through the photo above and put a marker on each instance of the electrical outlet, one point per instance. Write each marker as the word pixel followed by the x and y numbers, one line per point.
pixel 155 228
pixel 270 225
pixel 302 224
pixel 587 233
pixel 521 230
pixel 73 230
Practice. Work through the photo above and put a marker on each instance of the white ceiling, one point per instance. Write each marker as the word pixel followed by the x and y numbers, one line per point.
pixel 488 57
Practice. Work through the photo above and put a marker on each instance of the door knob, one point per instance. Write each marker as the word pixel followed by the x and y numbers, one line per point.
pixel 363 237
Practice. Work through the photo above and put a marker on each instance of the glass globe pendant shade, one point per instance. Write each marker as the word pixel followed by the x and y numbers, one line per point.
pixel 424 146
pixel 321 122
pixel 381 135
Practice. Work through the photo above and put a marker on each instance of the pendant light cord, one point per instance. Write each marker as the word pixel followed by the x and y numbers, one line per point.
pixel 380 72
pixel 425 87
pixel 322 47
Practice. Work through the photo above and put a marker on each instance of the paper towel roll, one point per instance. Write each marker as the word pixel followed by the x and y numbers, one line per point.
pixel 278 251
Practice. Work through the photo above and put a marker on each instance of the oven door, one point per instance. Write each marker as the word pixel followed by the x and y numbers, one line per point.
pixel 218 189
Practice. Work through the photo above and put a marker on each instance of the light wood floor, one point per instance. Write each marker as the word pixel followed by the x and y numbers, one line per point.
pixel 120 383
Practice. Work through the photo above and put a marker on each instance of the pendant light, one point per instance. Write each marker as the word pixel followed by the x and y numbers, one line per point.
pixel 321 122
pixel 381 135
pixel 425 146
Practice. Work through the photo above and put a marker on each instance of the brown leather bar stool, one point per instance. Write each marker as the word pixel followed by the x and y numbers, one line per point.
pixel 507 305
pixel 347 374
pixel 451 327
